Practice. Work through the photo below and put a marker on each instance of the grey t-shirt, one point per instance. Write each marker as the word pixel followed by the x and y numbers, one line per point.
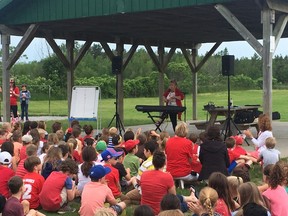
pixel 270 156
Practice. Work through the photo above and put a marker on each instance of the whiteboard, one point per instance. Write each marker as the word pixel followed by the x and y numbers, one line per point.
pixel 84 103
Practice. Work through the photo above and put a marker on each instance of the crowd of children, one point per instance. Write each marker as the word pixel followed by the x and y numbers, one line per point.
pixel 41 170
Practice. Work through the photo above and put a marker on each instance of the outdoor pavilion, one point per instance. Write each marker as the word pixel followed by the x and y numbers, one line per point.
pixel 164 24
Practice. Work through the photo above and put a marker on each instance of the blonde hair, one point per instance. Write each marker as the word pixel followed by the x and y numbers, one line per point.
pixel 208 198
pixel 234 182
pixel 270 142
pixel 113 131
pixel 181 130
pixel 173 212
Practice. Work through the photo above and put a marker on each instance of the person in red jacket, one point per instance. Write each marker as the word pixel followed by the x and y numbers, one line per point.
pixel 173 97
pixel 14 94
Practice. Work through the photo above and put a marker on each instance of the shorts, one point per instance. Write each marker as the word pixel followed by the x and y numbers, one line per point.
pixel 117 209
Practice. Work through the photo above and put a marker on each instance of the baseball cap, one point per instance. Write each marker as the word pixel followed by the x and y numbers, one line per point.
pixel 5 157
pixel 98 171
pixel 27 138
pixel 110 153
pixel 238 139
pixel 130 144
pixel 101 145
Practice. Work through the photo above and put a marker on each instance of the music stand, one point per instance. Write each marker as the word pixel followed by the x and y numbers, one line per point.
pixel 119 124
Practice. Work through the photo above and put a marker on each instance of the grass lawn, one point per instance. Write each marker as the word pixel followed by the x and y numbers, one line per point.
pixel 132 117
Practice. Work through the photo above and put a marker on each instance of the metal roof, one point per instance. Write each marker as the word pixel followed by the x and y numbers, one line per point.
pixel 180 23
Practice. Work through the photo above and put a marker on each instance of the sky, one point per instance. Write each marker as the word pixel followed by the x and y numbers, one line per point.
pixel 40 49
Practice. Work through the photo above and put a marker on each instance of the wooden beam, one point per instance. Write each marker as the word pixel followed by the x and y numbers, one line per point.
pixel 240 28
pixel 188 59
pixel 130 54
pixel 153 57
pixel 168 57
pixel 107 50
pixel 57 50
pixel 207 56
pixel 279 28
pixel 278 5
pixel 22 45
pixel 70 71
pixel 10 31
pixel 82 52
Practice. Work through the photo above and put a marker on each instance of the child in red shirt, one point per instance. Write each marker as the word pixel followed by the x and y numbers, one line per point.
pixel 110 156
pixel 33 181
pixel 5 172
pixel 196 165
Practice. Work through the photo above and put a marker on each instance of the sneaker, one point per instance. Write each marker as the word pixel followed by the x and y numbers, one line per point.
pixel 65 209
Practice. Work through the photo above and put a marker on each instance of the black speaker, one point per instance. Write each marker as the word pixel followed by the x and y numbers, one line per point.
pixel 228 65
pixel 116 65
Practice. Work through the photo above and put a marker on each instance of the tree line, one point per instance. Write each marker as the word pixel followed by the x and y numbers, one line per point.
pixel 141 75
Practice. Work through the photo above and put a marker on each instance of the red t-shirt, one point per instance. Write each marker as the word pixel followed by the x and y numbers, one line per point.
pixel 49 196
pixel 21 171
pixel 179 155
pixel 77 157
pixel 23 154
pixel 222 208
pixel 196 164
pixel 238 150
pixel 154 185
pixel 113 180
pixel 33 183
pixel 232 155
pixel 5 174
pixel 13 98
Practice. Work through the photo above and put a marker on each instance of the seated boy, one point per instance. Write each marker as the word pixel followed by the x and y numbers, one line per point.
pixel 5 172
pixel 13 206
pixel 109 156
pixel 33 181
pixel 91 203
pixel 59 188
pixel 131 160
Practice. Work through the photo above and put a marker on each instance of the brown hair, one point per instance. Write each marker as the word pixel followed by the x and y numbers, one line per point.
pixel 249 193
pixel 277 175
pixel 264 122
pixel 89 156
pixel 31 162
pixel 230 142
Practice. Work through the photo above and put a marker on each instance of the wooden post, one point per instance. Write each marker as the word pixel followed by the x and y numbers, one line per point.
pixel 70 71
pixel 267 60
pixel 5 40
pixel 120 102
pixel 161 75
pixel 194 83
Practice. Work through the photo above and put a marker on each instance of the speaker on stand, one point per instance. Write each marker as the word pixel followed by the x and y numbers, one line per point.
pixel 228 70
pixel 117 69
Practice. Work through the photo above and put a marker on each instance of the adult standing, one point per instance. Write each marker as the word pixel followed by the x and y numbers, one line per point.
pixel 213 154
pixel 173 97
pixel 25 96
pixel 14 94
pixel 179 154
pixel 265 131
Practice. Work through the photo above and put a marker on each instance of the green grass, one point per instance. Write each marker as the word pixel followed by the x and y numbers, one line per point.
pixel 132 117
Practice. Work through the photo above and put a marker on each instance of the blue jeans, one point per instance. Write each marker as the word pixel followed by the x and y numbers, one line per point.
pixel 24 110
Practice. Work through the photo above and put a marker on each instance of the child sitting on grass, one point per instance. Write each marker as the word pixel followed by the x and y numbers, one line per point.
pixel 13 206
pixel 270 155
pixel 59 188
pixel 33 181
pixel 91 203
pixel 5 172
